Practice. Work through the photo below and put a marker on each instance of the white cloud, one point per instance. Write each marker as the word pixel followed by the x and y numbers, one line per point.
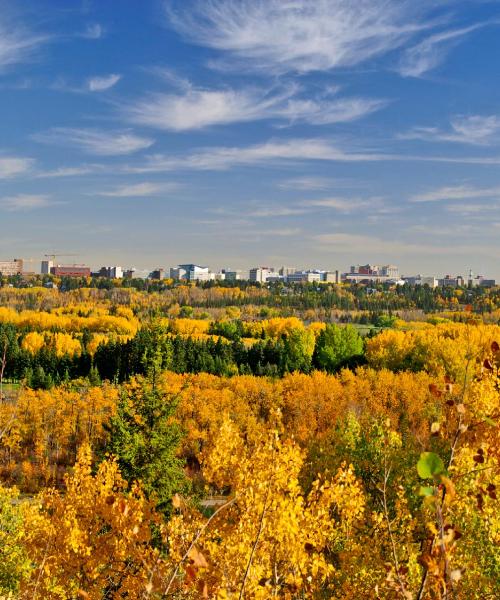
pixel 272 152
pixel 432 51
pixel 93 31
pixel 11 166
pixel 68 172
pixel 300 35
pixel 99 84
pixel 198 108
pixel 460 192
pixel 17 44
pixel 24 202
pixel 343 205
pixel 281 152
pixel 92 141
pixel 139 189
pixel 479 130
pixel 310 184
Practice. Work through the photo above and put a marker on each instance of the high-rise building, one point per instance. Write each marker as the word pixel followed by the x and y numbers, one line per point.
pixel 46 267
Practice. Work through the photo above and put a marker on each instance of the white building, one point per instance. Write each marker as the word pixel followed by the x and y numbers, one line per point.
pixel 262 274
pixel 192 272
pixel 304 277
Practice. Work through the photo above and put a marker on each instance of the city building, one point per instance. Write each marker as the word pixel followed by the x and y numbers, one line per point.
pixel 372 273
pixel 11 267
pixel 262 274
pixel 177 273
pixel 451 281
pixel 331 276
pixel 432 282
pixel 285 271
pixel 234 275
pixel 304 277
pixel 110 272
pixel 46 267
pixel 157 274
pixel 70 271
pixel 195 272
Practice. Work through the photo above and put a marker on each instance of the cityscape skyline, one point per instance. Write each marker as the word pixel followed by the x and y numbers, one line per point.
pixel 252 132
pixel 389 273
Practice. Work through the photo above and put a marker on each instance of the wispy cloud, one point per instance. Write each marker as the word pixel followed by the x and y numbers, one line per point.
pixel 140 189
pixel 299 35
pixel 99 84
pixel 279 152
pixel 479 130
pixel 92 141
pixel 432 51
pixel 343 205
pixel 269 153
pixel 197 108
pixel 10 166
pixel 18 44
pixel 311 184
pixel 24 202
pixel 460 192
pixel 93 31
pixel 68 172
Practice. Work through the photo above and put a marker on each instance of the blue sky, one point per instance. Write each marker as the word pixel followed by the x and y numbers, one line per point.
pixel 241 132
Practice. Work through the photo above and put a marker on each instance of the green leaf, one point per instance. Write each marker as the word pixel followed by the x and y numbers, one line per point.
pixel 426 491
pixel 490 421
pixel 429 465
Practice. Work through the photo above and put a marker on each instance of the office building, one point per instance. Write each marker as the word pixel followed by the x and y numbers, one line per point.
pixel 46 267
pixel 157 274
pixel 110 272
pixel 11 267
pixel 70 271
pixel 262 274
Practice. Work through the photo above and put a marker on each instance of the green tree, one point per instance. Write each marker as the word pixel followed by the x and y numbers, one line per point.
pixel 338 347
pixel 14 564
pixel 145 439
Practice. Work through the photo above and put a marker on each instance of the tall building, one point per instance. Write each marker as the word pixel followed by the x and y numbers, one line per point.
pixel 46 267
pixel 11 267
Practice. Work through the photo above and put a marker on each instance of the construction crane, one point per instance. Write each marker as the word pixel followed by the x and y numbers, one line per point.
pixel 52 256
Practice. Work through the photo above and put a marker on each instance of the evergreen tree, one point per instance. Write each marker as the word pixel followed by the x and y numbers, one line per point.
pixel 145 440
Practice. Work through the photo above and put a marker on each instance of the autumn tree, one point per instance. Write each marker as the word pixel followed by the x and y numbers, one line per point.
pixel 93 540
